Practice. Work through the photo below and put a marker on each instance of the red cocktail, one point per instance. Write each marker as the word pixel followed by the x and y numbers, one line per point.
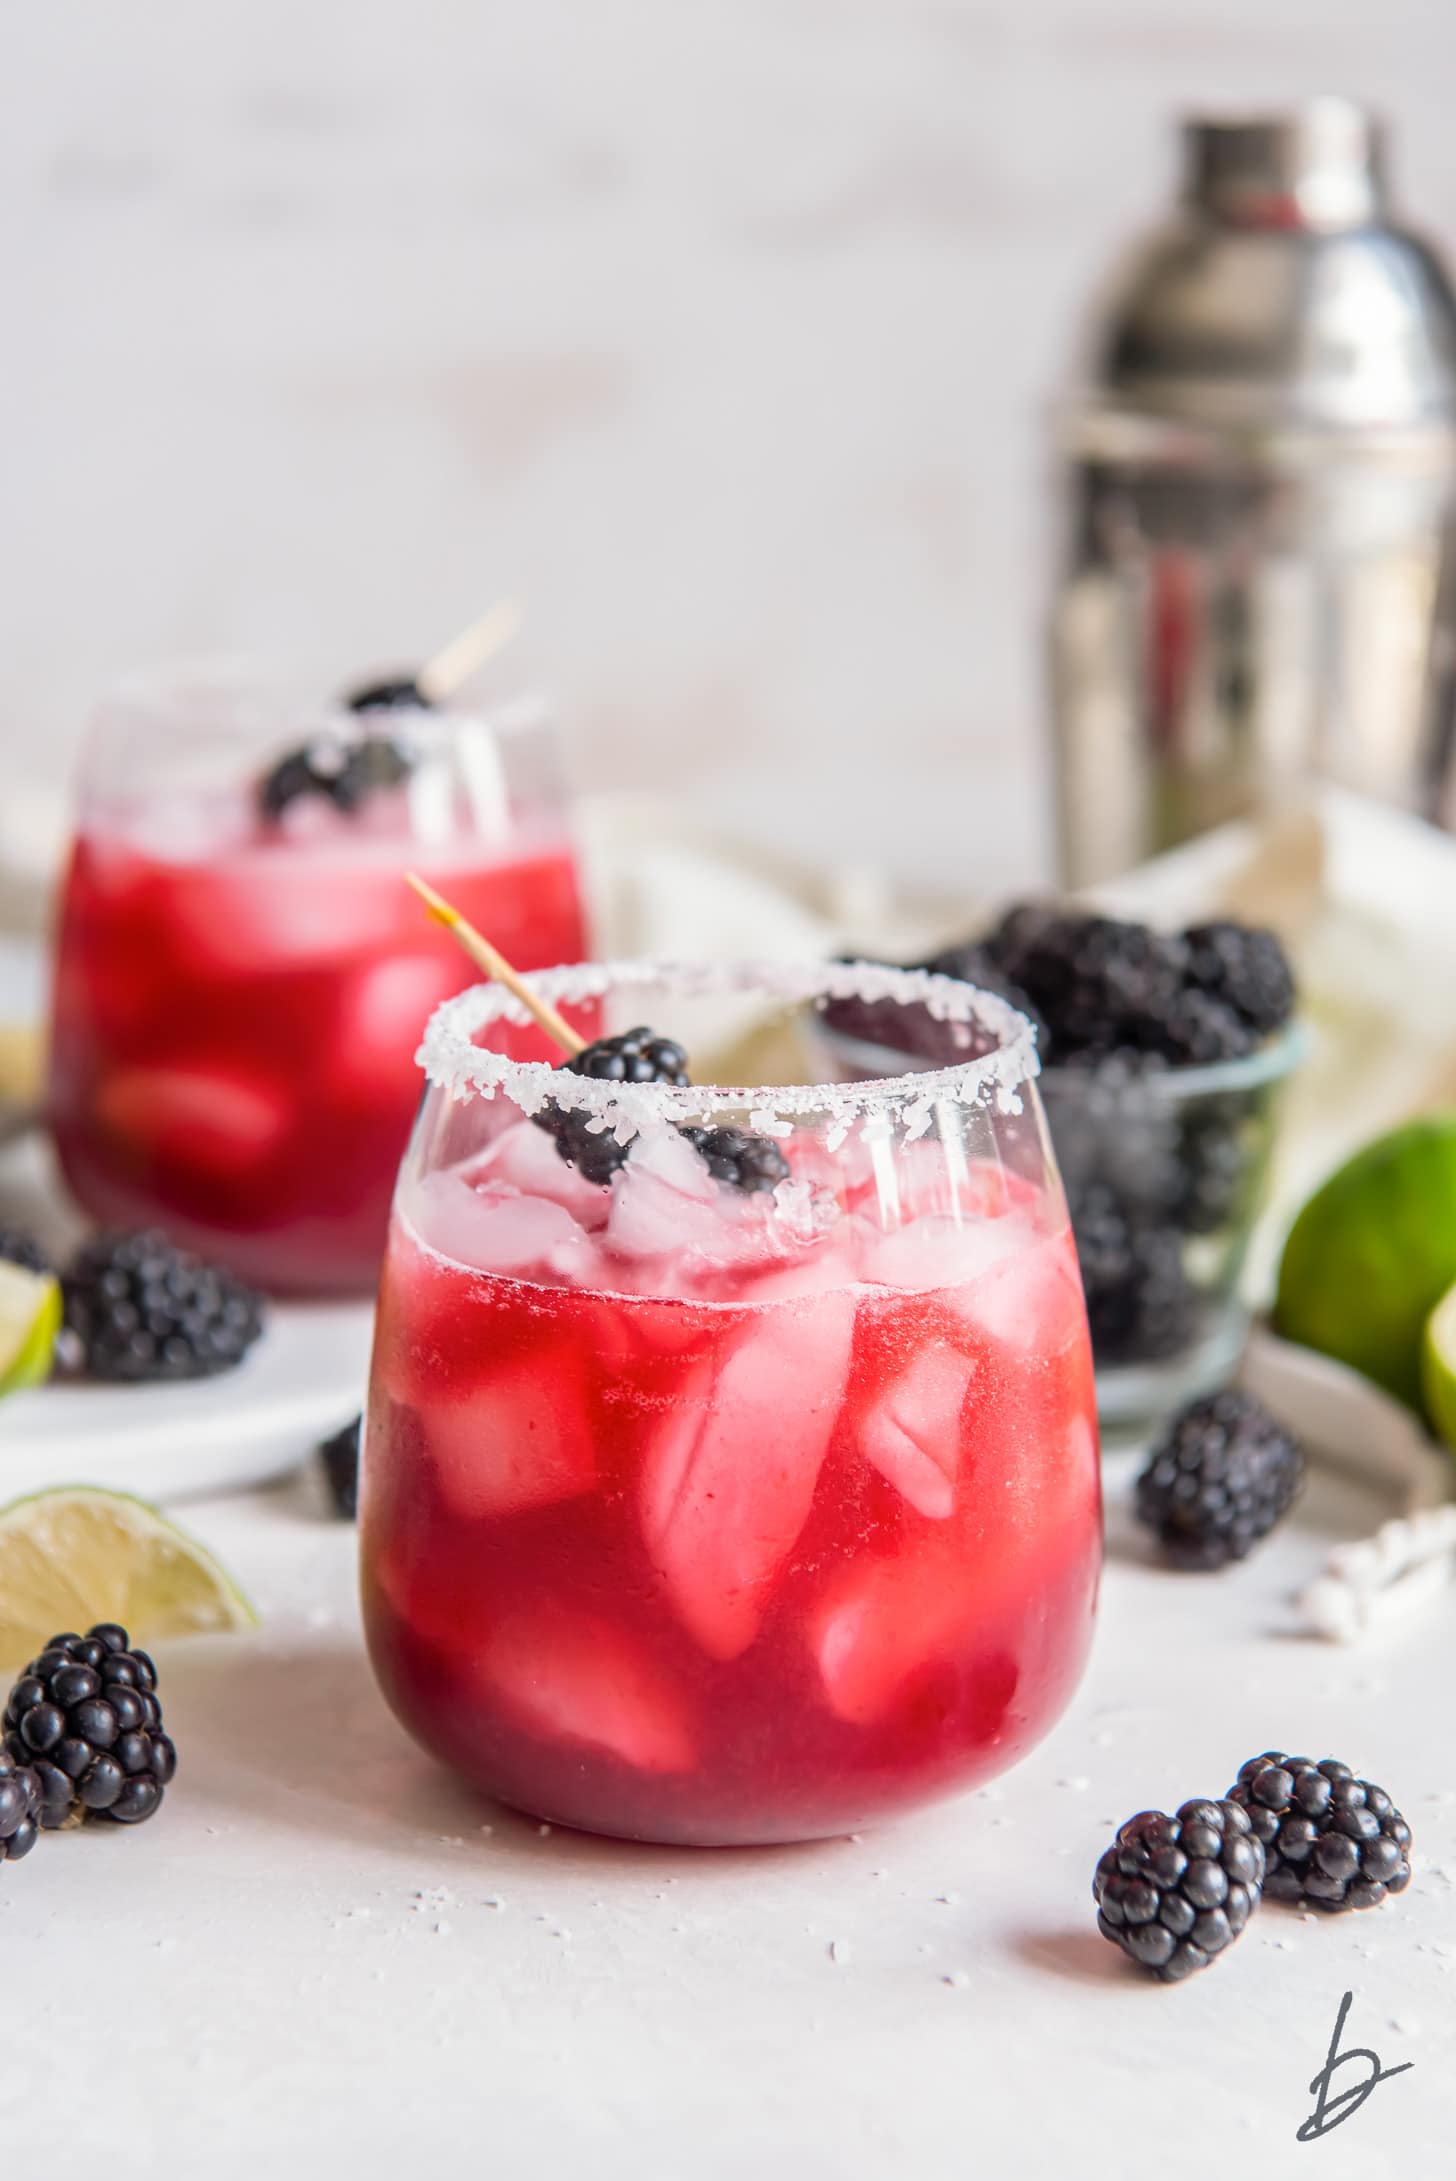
pixel 239 988
pixel 706 1515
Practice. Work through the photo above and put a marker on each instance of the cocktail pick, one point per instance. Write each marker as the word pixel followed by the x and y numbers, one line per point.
pixel 495 965
pixel 455 662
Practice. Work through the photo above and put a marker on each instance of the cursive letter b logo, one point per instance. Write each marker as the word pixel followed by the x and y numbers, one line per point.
pixel 1330 2111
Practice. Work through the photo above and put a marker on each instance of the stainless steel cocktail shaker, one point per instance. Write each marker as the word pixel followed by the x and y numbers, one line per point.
pixel 1259 461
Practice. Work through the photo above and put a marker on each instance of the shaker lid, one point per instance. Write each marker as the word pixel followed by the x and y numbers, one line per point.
pixel 1319 164
pixel 1281 296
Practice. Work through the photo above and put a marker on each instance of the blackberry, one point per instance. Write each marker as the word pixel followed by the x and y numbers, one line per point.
pixel 337 770
pixel 1332 1841
pixel 1223 1473
pixel 391 693
pixel 913 1030
pixel 1173 1892
pixel 339 1459
pixel 20 1800
pixel 975 965
pixel 1216 1162
pixel 85 1716
pixel 1106 986
pixel 1195 1030
pixel 1141 1306
pixel 17 1247
pixel 636 1056
pixel 1244 967
pixel 144 1310
pixel 745 1161
pixel 1098 983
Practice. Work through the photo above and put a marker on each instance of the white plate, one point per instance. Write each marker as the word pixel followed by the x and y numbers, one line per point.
pixel 302 1381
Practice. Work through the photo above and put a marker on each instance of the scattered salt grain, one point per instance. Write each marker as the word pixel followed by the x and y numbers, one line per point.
pixel 1078 1782
pixel 839 1950
pixel 451 1840
pixel 957 1979
pixel 442 1931
pixel 494 1900
pixel 946 1900
pixel 544 1831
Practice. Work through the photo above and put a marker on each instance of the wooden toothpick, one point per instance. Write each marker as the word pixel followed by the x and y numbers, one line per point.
pixel 456 661
pixel 495 965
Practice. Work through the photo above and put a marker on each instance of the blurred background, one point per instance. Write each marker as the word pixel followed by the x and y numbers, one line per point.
pixel 722 334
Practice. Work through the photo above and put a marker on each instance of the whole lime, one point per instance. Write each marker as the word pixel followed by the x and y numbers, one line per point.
pixel 1373 1252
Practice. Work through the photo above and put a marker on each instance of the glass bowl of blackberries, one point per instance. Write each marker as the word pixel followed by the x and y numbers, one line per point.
pixel 1163 1054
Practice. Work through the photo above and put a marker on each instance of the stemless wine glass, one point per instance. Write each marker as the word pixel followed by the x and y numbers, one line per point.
pixel 751 1493
pixel 241 972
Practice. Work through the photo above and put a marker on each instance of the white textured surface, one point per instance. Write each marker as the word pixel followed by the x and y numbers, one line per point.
pixel 324 1955
pixel 722 333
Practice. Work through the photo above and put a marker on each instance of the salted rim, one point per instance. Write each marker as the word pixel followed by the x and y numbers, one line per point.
pixel 461 1068
pixel 235 695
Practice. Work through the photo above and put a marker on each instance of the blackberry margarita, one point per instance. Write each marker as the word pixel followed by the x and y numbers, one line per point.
pixel 712 1513
pixel 241 974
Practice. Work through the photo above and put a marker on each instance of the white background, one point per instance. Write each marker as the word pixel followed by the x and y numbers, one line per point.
pixel 720 329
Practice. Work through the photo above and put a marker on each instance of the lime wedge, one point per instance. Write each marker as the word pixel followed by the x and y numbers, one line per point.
pixel 30 1318
pixel 73 1557
pixel 1438 1368
pixel 1373 1252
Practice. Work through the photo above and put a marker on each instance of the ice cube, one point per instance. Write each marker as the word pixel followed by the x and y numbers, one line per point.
pixel 913 1436
pixel 651 1217
pixel 276 909
pixel 519 1438
pixel 1031 1301
pixel 526 1157
pixel 727 1483
pixel 667 1153
pixel 935 1251
pixel 214 1120
pixel 882 1621
pixel 579 1678
pixel 495 1229
pixel 383 1012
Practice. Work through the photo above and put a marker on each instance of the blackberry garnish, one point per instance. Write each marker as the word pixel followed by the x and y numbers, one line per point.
pixel 1223 1473
pixel 392 693
pixel 745 1161
pixel 20 1800
pixel 339 1458
pixel 1332 1841
pixel 84 1716
pixel 637 1056
pixel 337 770
pixel 18 1247
pixel 143 1310
pixel 1141 1306
pixel 1173 1892
pixel 1244 967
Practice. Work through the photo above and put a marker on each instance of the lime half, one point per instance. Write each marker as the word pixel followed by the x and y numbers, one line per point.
pixel 73 1557
pixel 1373 1252
pixel 1438 1368
pixel 30 1318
